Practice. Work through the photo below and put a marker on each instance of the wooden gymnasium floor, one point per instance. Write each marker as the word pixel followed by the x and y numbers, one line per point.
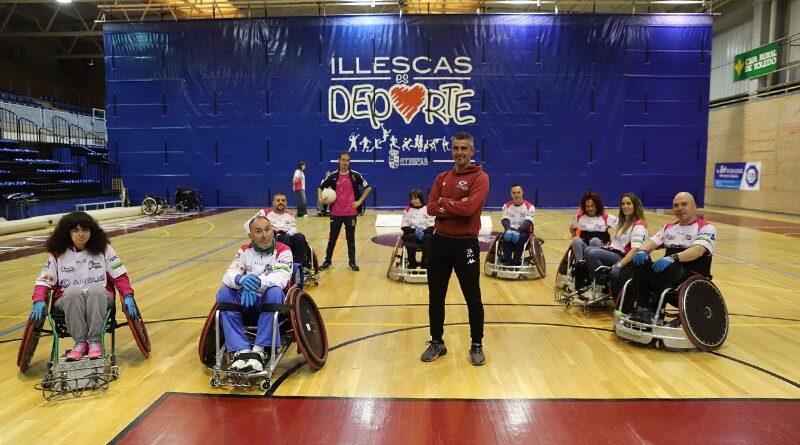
pixel 552 375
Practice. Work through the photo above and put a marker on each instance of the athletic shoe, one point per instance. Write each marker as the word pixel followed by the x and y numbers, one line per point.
pixel 643 315
pixel 476 356
pixel 78 351
pixel 255 361
pixel 435 350
pixel 239 361
pixel 325 265
pixel 354 266
pixel 95 350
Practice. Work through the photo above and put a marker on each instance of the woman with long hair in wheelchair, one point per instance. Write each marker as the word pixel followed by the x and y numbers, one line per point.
pixel 82 272
pixel 628 238
pixel 417 229
pixel 590 225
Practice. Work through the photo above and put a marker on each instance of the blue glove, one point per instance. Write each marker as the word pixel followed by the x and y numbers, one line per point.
pixel 130 306
pixel 615 270
pixel 250 282
pixel 37 311
pixel 662 264
pixel 420 234
pixel 515 237
pixel 640 258
pixel 249 298
pixel 508 235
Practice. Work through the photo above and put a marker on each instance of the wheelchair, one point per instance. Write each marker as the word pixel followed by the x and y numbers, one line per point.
pixel 298 320
pixel 187 199
pixel 533 262
pixel 75 378
pixel 693 316
pixel 154 205
pixel 574 285
pixel 308 274
pixel 398 266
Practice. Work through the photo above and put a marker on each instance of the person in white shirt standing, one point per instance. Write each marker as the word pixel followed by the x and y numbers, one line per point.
pixel 689 242
pixel 82 271
pixel 518 218
pixel 299 187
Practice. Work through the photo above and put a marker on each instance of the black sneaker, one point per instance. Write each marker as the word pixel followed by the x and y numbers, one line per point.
pixel 476 356
pixel 435 350
pixel 643 315
pixel 354 266
pixel 325 265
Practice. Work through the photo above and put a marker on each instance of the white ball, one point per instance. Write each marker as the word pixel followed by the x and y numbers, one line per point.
pixel 328 196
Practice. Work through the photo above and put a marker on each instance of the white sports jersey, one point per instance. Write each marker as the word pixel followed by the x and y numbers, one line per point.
pixel 417 218
pixel 281 222
pixel 678 237
pixel 518 214
pixel 633 238
pixel 82 269
pixel 599 223
pixel 298 180
pixel 273 269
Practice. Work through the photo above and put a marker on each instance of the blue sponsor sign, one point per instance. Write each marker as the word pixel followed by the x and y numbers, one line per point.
pixel 737 175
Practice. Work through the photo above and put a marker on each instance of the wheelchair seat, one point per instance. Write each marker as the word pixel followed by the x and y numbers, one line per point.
pixel 399 269
pixel 533 262
pixel 696 318
pixel 573 284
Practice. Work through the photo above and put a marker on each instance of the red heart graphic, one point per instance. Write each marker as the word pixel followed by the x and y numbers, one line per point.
pixel 408 100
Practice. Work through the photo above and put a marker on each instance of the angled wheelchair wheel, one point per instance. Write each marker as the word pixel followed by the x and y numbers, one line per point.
pixel 309 329
pixel 179 207
pixel 207 349
pixel 493 250
pixel 139 332
pixel 149 206
pixel 393 259
pixel 703 313
pixel 30 339
pixel 537 253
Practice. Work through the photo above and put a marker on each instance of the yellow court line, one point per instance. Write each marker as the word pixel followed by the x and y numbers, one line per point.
pixel 209 230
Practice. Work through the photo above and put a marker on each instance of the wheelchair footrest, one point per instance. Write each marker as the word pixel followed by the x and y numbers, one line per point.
pixel 75 377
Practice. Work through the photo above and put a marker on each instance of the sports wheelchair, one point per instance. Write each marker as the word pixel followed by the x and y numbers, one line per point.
pixel 399 269
pixel 700 320
pixel 533 262
pixel 298 320
pixel 309 272
pixel 574 285
pixel 187 199
pixel 75 377
pixel 154 205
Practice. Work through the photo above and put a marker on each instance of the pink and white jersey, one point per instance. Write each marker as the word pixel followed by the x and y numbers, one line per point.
pixel 273 269
pixel 599 223
pixel 281 222
pixel 417 218
pixel 518 214
pixel 82 269
pixel 298 180
pixel 633 238
pixel 674 236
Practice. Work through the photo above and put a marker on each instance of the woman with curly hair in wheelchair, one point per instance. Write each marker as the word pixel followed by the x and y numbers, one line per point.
pixel 82 271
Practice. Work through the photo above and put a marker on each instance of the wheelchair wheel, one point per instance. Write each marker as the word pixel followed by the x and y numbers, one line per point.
pixel 537 254
pixel 30 339
pixel 139 332
pixel 207 349
pixel 393 259
pixel 179 207
pixel 309 329
pixel 149 206
pixel 703 313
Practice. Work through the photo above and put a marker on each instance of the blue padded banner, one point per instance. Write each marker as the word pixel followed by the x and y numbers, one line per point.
pixel 559 104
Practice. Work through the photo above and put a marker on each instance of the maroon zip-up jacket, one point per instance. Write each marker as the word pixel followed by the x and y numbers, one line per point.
pixel 456 200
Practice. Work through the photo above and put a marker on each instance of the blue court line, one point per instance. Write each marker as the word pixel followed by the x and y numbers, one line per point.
pixel 752 263
pixel 150 275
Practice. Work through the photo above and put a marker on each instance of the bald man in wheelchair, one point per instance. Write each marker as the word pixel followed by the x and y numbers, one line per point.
pixel 689 242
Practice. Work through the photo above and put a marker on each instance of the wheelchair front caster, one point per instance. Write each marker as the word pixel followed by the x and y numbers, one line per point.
pixel 214 382
pixel 265 385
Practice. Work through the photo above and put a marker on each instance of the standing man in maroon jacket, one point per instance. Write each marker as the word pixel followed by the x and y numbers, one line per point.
pixel 456 200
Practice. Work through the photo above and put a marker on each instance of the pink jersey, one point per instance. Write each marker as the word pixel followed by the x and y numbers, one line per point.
pixel 345 197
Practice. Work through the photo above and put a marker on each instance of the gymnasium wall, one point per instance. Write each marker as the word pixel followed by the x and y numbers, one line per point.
pixel 763 130
pixel 557 103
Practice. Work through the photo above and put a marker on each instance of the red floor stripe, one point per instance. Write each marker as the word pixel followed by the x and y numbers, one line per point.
pixel 199 419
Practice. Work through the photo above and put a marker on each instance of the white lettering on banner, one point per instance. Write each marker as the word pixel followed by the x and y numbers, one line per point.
pixel 417 144
pixel 445 103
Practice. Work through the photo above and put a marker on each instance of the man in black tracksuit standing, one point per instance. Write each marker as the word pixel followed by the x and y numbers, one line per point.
pixel 456 200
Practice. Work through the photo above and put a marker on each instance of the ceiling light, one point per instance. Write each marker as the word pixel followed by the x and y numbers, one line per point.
pixel 63 1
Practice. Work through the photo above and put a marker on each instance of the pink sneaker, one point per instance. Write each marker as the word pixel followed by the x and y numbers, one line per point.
pixel 78 351
pixel 95 350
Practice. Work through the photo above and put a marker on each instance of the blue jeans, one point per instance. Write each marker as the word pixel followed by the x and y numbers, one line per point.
pixel 579 247
pixel 512 253
pixel 232 324
pixel 597 256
